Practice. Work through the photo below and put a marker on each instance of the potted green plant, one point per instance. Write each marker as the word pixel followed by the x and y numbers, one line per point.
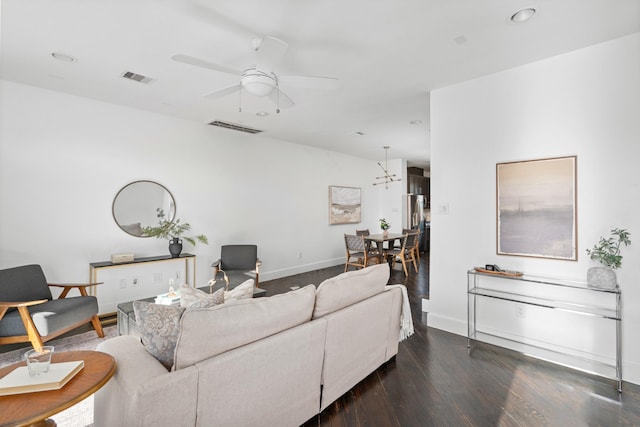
pixel 607 253
pixel 173 230
pixel 384 226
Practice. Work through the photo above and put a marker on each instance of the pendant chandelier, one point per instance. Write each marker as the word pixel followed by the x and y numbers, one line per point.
pixel 387 177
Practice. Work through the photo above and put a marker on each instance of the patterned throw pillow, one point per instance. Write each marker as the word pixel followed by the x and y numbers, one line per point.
pixel 195 298
pixel 242 291
pixel 159 327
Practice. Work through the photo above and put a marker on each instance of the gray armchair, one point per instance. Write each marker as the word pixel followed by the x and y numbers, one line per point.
pixel 239 262
pixel 28 312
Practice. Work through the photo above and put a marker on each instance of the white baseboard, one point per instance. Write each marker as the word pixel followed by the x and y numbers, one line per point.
pixel 285 272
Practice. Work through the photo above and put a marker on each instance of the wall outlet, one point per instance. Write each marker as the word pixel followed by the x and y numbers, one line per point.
pixel 157 277
pixel 520 311
pixel 123 283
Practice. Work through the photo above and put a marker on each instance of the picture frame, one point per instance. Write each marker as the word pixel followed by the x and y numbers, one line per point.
pixel 344 205
pixel 536 208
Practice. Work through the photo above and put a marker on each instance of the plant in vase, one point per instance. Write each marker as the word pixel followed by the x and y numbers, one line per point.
pixel 384 226
pixel 607 253
pixel 173 230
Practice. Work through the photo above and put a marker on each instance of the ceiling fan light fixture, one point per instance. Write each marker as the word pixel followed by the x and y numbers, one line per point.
pixel 258 83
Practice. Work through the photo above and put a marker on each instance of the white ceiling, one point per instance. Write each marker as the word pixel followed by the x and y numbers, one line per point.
pixel 387 54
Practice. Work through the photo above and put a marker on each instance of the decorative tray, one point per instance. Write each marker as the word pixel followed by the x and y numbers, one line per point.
pixel 509 273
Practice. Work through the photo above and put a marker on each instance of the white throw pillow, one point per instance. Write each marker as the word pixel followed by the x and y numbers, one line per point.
pixel 242 291
pixel 192 298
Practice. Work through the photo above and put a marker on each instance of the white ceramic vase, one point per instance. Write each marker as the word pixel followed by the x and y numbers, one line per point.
pixel 602 278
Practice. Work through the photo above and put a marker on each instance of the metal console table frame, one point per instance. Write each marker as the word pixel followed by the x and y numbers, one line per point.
pixel 474 290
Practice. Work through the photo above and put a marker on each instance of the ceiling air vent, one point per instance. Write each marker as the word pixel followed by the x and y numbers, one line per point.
pixel 137 77
pixel 234 126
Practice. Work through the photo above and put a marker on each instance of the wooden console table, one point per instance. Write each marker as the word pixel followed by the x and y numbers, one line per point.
pixel 476 288
pixel 34 408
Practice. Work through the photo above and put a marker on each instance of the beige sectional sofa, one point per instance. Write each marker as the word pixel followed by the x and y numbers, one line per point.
pixel 258 362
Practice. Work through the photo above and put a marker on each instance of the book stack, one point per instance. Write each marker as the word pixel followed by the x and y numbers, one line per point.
pixel 19 381
pixel 169 298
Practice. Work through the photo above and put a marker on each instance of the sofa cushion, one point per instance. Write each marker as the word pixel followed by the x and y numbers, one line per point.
pixel 159 326
pixel 193 298
pixel 349 288
pixel 236 323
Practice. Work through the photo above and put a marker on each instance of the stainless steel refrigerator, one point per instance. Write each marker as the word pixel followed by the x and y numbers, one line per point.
pixel 413 205
pixel 414 217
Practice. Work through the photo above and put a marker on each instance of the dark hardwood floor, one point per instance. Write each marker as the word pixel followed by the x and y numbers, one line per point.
pixel 435 381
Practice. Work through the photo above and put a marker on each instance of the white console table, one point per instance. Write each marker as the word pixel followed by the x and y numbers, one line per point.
pixel 110 294
pixel 479 286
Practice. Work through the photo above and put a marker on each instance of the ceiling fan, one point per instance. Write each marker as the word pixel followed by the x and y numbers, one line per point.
pixel 261 79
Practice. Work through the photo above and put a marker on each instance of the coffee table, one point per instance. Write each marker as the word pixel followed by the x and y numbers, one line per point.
pixel 127 318
pixel 35 408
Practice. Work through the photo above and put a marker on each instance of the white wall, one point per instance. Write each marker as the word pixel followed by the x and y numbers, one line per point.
pixel 585 103
pixel 63 159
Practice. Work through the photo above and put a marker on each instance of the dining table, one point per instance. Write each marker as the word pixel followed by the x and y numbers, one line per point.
pixel 380 239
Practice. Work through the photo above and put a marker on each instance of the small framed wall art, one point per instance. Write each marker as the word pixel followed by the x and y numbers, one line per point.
pixel 536 208
pixel 344 205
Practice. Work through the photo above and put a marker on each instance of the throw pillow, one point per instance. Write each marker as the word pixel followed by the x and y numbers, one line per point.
pixel 195 298
pixel 243 291
pixel 159 327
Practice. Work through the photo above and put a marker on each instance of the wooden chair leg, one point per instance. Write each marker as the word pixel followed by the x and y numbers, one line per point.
pixel 97 326
pixel 32 331
pixel 404 265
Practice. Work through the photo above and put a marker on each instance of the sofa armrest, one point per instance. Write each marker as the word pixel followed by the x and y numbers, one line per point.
pixel 135 364
pixel 142 392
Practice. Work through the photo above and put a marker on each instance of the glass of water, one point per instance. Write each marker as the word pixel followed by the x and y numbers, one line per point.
pixel 38 362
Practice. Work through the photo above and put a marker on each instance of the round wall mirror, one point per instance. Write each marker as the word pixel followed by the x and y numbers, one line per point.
pixel 136 206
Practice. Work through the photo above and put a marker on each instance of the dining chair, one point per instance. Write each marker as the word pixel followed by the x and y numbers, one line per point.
pixel 405 253
pixel 417 245
pixel 372 248
pixel 358 253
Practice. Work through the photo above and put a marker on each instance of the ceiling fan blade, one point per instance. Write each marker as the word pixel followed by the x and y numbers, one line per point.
pixel 281 99
pixel 270 53
pixel 310 82
pixel 186 59
pixel 216 94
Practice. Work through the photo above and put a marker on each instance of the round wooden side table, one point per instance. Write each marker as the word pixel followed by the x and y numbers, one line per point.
pixel 34 408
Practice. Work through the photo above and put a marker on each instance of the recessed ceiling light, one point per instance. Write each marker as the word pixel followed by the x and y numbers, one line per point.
pixel 262 114
pixel 63 57
pixel 523 15
pixel 415 122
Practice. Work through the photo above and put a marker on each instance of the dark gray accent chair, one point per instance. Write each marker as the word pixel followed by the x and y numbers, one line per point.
pixel 239 262
pixel 28 312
